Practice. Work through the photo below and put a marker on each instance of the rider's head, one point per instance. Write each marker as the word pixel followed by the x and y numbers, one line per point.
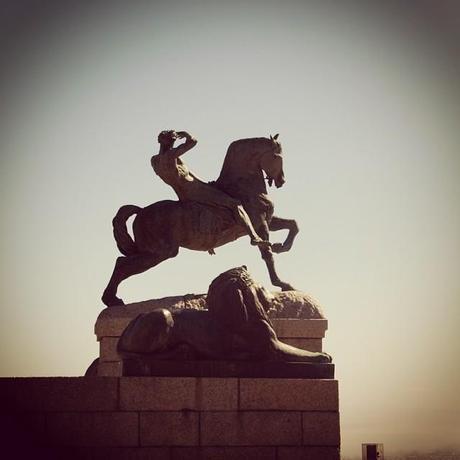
pixel 167 138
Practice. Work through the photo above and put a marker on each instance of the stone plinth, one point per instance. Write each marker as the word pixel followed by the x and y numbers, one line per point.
pixel 170 418
pixel 302 333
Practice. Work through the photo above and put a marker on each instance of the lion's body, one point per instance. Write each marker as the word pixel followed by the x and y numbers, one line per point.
pixel 235 327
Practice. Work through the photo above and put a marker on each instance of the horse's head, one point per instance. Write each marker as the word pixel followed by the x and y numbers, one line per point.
pixel 271 163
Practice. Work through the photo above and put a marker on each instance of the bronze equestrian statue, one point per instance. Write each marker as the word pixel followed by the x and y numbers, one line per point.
pixel 207 215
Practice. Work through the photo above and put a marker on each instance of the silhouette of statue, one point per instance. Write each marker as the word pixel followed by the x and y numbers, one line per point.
pixel 207 215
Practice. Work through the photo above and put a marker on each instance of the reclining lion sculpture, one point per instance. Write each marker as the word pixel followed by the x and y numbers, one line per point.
pixel 234 327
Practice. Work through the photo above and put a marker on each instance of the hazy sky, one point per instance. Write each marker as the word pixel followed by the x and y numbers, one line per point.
pixel 366 100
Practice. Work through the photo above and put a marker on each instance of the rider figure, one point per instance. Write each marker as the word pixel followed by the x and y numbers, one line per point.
pixel 168 165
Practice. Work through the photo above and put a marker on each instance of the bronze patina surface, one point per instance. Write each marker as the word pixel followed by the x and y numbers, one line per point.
pixel 207 215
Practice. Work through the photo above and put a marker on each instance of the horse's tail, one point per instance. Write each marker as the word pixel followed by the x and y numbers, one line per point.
pixel 125 243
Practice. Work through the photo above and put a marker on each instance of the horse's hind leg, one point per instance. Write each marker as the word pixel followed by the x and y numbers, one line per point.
pixel 129 266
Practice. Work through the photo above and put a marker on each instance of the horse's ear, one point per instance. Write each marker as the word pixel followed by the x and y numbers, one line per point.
pixel 271 137
pixel 275 137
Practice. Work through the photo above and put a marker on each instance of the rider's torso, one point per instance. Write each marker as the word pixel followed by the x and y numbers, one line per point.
pixel 187 187
pixel 171 170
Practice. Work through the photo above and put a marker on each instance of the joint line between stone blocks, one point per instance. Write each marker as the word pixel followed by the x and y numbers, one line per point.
pixel 238 388
pixel 139 429
pixel 301 428
pixel 199 428
pixel 118 394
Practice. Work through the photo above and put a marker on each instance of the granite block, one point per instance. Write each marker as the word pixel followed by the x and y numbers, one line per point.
pixel 108 349
pixel 305 344
pixel 308 453
pixel 106 429
pixel 301 328
pixel 178 393
pixel 110 369
pixel 321 428
pixel 169 428
pixel 289 394
pixel 250 428
pixel 223 453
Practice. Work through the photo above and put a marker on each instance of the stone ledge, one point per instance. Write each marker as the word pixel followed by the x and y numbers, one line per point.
pixel 147 367
pixel 112 321
pixel 108 346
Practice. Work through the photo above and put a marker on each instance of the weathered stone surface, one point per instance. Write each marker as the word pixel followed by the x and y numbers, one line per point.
pixel 308 453
pixel 93 428
pixel 147 366
pixel 103 453
pixel 294 304
pixel 169 428
pixel 59 394
pixel 110 369
pixel 223 453
pixel 250 428
pixel 178 393
pixel 112 321
pixel 300 328
pixel 304 344
pixel 22 429
pixel 289 394
pixel 108 349
pixel 321 428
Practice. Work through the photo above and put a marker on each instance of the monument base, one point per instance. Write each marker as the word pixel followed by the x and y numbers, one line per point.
pixel 170 418
pixel 257 369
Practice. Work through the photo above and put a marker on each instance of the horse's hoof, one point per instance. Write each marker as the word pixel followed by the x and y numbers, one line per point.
pixel 112 301
pixel 287 287
pixel 116 303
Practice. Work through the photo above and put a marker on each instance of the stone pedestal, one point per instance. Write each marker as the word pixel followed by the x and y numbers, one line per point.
pixel 170 418
pixel 303 333
pixel 223 411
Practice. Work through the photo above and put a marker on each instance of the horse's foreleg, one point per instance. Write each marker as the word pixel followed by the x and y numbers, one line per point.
pixel 267 255
pixel 277 223
pixel 129 266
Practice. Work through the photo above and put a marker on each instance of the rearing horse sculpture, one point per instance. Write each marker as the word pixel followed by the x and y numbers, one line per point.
pixel 160 229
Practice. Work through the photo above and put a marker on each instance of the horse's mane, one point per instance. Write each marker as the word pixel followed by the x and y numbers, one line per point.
pixel 240 151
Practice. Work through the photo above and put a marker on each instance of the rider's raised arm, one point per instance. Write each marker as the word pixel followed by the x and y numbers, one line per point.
pixel 189 143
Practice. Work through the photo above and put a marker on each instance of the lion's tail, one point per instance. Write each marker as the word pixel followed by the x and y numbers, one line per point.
pixel 125 243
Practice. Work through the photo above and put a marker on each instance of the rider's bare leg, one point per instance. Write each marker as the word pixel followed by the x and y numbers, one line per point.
pixel 243 218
